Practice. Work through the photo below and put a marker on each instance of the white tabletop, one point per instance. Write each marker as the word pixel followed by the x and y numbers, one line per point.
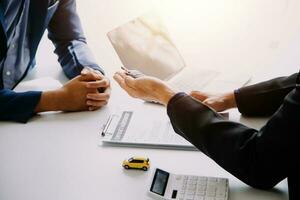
pixel 58 156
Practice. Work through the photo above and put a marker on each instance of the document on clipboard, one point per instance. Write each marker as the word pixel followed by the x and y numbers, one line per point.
pixel 133 129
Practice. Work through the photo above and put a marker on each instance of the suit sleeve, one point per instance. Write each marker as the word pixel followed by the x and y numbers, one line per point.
pixel 18 107
pixel 263 99
pixel 66 33
pixel 257 157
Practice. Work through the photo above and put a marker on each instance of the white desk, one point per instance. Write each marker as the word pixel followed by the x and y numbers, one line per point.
pixel 56 156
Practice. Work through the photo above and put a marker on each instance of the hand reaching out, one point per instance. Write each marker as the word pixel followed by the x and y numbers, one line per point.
pixel 145 87
pixel 218 102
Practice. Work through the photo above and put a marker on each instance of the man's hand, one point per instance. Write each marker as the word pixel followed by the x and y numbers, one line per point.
pixel 145 87
pixel 219 102
pixel 80 93
pixel 99 89
pixel 71 97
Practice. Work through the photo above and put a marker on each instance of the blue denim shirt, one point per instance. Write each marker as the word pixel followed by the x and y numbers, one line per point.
pixel 22 25
pixel 18 53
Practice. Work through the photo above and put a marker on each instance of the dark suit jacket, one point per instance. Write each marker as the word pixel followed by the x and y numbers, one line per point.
pixel 63 24
pixel 260 158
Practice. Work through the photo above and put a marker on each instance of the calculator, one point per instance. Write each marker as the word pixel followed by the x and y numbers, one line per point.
pixel 169 186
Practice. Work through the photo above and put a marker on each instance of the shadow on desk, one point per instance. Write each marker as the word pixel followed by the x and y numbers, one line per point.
pixel 248 193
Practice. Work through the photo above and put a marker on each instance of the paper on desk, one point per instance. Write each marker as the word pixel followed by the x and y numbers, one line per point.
pixel 40 84
pixel 148 128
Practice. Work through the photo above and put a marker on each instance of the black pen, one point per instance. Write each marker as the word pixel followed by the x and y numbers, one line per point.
pixel 132 73
pixel 106 125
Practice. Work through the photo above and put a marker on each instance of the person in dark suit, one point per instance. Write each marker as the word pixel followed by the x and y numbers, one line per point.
pixel 22 24
pixel 260 158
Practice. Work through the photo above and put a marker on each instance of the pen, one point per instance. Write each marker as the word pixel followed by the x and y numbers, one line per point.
pixel 132 73
pixel 136 74
pixel 124 68
pixel 106 125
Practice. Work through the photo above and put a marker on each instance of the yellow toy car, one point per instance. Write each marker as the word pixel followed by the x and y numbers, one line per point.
pixel 137 163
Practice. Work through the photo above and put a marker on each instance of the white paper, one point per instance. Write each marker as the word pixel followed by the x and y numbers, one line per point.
pixel 145 45
pixel 145 129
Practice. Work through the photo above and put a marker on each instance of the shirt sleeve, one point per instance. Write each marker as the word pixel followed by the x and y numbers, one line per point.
pixel 263 99
pixel 18 107
pixel 66 33
pixel 257 157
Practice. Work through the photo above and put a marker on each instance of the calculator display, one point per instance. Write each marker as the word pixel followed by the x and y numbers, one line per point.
pixel 160 182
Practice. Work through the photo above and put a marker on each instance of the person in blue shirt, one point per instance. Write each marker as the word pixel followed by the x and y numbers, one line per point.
pixel 22 25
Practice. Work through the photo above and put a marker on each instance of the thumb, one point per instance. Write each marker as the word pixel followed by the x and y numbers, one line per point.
pixel 199 95
pixel 89 76
pixel 85 71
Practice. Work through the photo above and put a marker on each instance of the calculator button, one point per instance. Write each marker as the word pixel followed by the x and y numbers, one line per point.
pixel 222 180
pixel 193 177
pixel 212 179
pixel 201 182
pixel 191 192
pixel 201 187
pixel 191 187
pixel 211 183
pixel 200 193
pixel 192 181
pixel 209 198
pixel 220 196
pixel 211 187
pixel 211 192
pixel 202 178
pixel 198 198
pixel 189 197
pixel 221 193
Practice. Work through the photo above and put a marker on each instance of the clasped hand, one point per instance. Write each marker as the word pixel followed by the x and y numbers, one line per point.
pixel 88 91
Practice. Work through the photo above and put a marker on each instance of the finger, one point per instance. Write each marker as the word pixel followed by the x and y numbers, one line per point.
pixel 91 103
pixel 120 80
pixel 90 75
pixel 213 105
pixel 199 95
pixel 98 96
pixel 98 84
pixel 107 91
pixel 131 82
pixel 123 85
pixel 122 74
pixel 85 71
pixel 92 108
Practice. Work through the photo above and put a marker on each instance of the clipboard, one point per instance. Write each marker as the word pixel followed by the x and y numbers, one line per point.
pixel 135 129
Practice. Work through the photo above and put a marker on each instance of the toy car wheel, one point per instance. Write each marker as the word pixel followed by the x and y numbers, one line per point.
pixel 145 168
pixel 126 167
